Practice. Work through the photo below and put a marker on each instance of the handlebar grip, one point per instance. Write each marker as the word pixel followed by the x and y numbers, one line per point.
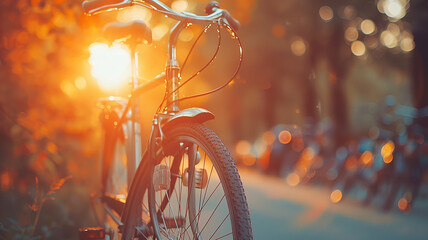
pixel 92 6
pixel 214 5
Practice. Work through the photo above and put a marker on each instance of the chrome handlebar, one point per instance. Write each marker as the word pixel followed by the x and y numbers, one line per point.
pixel 216 14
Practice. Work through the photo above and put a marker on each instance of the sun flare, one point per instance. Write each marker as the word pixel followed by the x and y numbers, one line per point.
pixel 111 66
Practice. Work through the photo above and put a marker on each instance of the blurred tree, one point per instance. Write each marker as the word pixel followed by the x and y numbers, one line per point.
pixel 418 18
pixel 44 115
pixel 298 42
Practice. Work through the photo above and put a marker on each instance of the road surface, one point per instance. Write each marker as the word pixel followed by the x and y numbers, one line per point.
pixel 279 211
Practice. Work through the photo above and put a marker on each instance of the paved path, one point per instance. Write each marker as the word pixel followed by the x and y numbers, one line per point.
pixel 279 211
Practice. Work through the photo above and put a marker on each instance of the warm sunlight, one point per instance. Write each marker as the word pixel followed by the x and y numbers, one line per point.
pixel 111 66
pixel 107 126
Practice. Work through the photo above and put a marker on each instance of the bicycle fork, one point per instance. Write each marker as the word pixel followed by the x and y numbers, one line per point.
pixel 164 177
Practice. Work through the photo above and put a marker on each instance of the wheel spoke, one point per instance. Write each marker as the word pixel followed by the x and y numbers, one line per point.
pixel 213 213
pixel 171 211
pixel 205 203
pixel 220 226
pixel 224 236
pixel 163 219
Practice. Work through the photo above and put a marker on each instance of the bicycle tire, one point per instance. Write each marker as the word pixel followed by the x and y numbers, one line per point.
pixel 179 138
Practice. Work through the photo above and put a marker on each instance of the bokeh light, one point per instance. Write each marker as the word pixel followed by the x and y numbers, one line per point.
pixel 326 13
pixel 336 196
pixel 387 151
pixel 351 162
pixel 388 158
pixel 293 179
pixel 394 29
pixel 159 31
pixel 388 39
pixel 179 5
pixel 6 181
pixel 368 26
pixel 269 137
pixel 403 204
pixel 278 30
pixel 80 83
pixel 394 8
pixel 358 48
pixel 349 12
pixel 379 6
pixel 186 35
pixel 308 154
pixel 243 151
pixel 387 148
pixel 407 44
pixel 111 66
pixel 243 148
pixel 52 147
pixel 298 47
pixel 284 137
pixel 68 88
pixel 134 13
pixel 367 158
pixel 351 34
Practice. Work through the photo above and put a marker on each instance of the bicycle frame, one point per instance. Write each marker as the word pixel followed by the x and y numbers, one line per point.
pixel 171 77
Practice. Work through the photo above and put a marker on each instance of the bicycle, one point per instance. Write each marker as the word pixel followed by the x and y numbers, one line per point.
pixel 185 184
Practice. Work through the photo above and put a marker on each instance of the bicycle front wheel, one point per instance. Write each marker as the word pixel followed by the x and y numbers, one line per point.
pixel 195 191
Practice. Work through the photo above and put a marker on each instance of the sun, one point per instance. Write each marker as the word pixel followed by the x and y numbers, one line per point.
pixel 111 66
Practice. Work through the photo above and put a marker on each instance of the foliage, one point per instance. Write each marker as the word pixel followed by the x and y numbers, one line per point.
pixel 44 117
pixel 16 230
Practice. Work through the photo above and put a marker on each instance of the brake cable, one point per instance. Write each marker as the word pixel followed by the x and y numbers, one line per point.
pixel 241 55
pixel 166 96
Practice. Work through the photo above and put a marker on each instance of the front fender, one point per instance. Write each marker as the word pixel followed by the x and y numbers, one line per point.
pixel 193 115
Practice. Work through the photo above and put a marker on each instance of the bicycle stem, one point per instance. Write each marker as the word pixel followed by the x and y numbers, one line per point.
pixel 173 69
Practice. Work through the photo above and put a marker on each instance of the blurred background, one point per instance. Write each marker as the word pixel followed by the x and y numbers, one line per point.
pixel 329 108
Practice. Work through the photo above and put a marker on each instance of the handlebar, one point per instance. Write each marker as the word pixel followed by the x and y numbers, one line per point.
pixel 215 13
pixel 214 6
